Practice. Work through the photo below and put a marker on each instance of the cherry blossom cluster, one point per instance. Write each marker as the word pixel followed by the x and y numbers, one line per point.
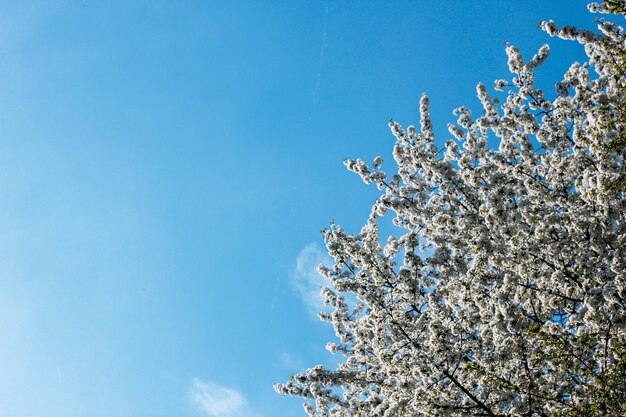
pixel 505 292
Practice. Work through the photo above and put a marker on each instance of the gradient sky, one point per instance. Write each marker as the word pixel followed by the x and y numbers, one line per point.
pixel 165 169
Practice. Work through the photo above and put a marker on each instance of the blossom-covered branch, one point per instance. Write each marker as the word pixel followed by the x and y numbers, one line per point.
pixel 506 293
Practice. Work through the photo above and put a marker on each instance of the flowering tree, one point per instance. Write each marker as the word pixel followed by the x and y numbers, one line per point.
pixel 505 295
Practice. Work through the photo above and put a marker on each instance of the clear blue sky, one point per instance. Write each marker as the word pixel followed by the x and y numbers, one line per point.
pixel 165 169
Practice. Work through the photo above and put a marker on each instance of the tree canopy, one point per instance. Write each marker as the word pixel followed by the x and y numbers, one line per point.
pixel 504 292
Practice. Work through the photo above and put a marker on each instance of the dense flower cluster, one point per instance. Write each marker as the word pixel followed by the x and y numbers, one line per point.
pixel 506 294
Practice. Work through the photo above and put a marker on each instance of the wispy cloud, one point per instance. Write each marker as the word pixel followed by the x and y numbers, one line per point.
pixel 318 77
pixel 290 362
pixel 218 401
pixel 306 280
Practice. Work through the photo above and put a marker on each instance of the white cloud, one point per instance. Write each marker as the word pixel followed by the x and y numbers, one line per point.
pixel 307 281
pixel 218 401
pixel 286 360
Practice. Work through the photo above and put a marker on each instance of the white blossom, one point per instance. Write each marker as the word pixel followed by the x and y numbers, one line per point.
pixel 505 293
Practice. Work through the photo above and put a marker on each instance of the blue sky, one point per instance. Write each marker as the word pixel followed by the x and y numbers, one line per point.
pixel 165 169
